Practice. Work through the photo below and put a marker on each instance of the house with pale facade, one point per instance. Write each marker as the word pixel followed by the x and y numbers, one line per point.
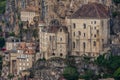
pixel 89 30
pixel 21 56
pixel 29 13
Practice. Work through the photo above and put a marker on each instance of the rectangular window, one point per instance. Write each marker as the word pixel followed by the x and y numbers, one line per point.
pixel 27 64
pixel 60 39
pixel 94 43
pixel 74 25
pixel 50 38
pixel 84 45
pixel 79 33
pixel 94 22
pixel 95 28
pixel 95 36
pixel 97 31
pixel 84 25
pixel 73 44
pixel 27 60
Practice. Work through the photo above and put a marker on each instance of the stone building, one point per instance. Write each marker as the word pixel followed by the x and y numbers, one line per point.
pixel 89 30
pixel 29 13
pixel 53 41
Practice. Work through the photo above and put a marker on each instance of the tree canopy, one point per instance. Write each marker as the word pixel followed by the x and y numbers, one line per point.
pixel 70 73
pixel 117 73
pixel 112 63
pixel 2 6
pixel 116 1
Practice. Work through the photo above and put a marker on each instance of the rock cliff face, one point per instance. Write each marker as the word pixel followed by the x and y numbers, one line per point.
pixel 116 24
pixel 115 30
pixel 49 70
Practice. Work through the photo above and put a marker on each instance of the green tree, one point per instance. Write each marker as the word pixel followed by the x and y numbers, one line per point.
pixel 114 14
pixel 2 6
pixel 2 42
pixel 109 65
pixel 89 75
pixel 11 34
pixel 70 73
pixel 116 2
pixel 117 74
pixel 113 63
pixel 10 76
pixel 101 60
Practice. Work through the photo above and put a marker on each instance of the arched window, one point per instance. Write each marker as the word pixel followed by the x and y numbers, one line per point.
pixel 74 34
pixel 61 54
pixel 73 44
pixel 60 39
pixel 79 33
pixel 84 45
pixel 95 36
pixel 84 26
pixel 60 30
pixel 53 54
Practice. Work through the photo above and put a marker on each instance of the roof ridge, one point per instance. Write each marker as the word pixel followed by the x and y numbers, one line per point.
pixel 96 10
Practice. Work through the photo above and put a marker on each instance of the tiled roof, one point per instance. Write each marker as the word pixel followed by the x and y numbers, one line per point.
pixel 28 48
pixel 91 10
pixel 53 29
pixel 31 8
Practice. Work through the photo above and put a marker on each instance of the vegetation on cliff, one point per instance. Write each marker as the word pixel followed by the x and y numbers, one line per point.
pixel 2 6
pixel 116 2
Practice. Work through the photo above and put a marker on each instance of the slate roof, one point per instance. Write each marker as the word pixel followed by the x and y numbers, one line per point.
pixel 91 10
pixel 54 29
